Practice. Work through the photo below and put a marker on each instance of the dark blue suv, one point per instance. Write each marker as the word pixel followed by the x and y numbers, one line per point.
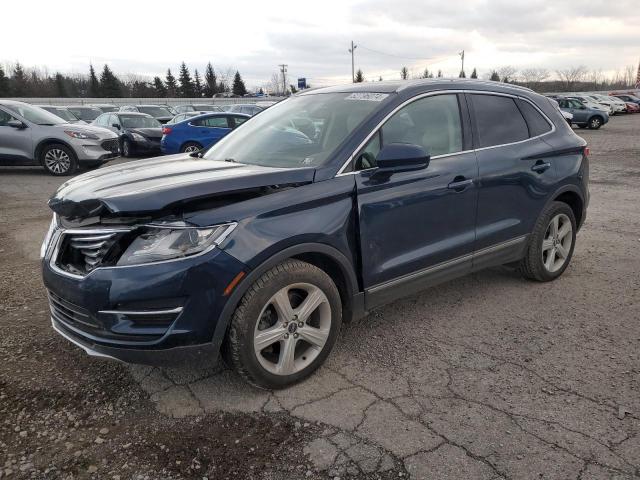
pixel 318 210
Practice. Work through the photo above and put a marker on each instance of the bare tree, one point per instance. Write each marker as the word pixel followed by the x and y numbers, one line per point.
pixel 507 73
pixel 571 76
pixel 275 84
pixel 533 76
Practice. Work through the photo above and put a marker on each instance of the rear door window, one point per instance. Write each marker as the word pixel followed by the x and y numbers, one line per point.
pixel 212 122
pixel 498 120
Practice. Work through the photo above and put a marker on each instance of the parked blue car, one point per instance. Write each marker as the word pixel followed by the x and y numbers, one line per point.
pixel 320 209
pixel 199 132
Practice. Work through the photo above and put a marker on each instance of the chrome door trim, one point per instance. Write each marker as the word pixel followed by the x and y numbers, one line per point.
pixel 444 92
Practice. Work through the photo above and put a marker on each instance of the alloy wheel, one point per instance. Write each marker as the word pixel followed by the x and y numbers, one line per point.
pixel 595 123
pixel 556 244
pixel 57 161
pixel 292 329
pixel 191 148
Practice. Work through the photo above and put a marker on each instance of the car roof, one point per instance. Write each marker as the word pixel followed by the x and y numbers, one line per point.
pixel 12 102
pixel 79 106
pixel 422 84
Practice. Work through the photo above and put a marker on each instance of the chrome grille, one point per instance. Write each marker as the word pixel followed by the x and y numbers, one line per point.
pixel 92 247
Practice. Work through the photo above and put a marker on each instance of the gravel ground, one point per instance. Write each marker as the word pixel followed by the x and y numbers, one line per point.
pixel 488 376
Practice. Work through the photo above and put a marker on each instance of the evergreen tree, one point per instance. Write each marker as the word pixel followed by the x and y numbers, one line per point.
pixel 160 89
pixel 93 89
pixel 462 74
pixel 186 84
pixel 197 84
pixel 210 81
pixel 19 81
pixel 380 79
pixel 359 76
pixel 494 76
pixel 427 73
pixel 5 86
pixel 171 85
pixel 474 74
pixel 110 86
pixel 404 73
pixel 439 73
pixel 61 90
pixel 238 85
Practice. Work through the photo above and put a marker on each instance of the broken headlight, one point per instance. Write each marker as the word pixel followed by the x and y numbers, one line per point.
pixel 157 243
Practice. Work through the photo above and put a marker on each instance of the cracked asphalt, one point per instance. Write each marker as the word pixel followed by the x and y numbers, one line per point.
pixel 486 377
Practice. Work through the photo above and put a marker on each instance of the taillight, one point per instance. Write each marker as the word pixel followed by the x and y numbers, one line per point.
pixel 166 130
pixel 587 151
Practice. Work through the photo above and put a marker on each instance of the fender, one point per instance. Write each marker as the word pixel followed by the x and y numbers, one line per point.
pixel 355 298
pixel 45 141
pixel 572 189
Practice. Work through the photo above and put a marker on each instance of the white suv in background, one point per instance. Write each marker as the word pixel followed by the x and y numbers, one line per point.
pixel 32 136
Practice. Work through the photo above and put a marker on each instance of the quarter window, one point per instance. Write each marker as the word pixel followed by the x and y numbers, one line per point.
pixel 498 120
pixel 432 123
pixel 4 118
pixel 536 122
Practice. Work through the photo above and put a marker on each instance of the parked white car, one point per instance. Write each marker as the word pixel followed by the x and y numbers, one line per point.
pixel 617 105
pixel 591 103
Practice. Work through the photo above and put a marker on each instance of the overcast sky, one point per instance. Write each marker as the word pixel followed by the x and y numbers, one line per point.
pixel 312 37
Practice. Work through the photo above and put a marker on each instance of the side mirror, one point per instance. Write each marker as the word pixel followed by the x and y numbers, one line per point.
pixel 402 156
pixel 116 126
pixel 16 124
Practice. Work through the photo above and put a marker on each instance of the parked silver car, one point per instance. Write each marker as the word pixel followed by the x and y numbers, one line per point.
pixel 32 136
pixel 64 113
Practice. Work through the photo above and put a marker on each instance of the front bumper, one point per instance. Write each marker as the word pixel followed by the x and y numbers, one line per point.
pixel 96 150
pixel 113 311
pixel 146 147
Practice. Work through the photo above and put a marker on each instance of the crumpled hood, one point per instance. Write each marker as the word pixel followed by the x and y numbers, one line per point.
pixel 148 186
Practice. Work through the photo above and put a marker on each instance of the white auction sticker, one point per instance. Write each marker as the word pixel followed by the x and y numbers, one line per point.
pixel 369 96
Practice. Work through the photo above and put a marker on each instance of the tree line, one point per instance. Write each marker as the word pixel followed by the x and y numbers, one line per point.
pixel 542 80
pixel 20 82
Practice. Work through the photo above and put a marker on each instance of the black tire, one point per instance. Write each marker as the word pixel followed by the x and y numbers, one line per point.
pixel 238 349
pixel 188 147
pixel 532 266
pixel 595 122
pixel 58 160
pixel 125 148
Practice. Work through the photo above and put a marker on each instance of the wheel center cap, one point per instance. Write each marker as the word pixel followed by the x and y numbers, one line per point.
pixel 292 328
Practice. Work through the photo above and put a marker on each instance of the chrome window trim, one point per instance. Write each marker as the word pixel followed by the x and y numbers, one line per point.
pixel 380 124
pixel 60 233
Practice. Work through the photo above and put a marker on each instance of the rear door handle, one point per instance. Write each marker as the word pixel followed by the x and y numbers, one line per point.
pixel 460 183
pixel 541 166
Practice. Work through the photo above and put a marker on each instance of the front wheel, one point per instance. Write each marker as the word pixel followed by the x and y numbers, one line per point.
pixel 126 148
pixel 285 326
pixel 58 160
pixel 551 244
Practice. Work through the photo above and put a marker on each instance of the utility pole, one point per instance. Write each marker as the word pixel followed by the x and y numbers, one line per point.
pixel 283 70
pixel 353 73
pixel 462 57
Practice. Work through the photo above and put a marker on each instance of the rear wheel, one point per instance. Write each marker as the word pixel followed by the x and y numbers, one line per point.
pixel 58 159
pixel 595 123
pixel 551 244
pixel 285 326
pixel 191 147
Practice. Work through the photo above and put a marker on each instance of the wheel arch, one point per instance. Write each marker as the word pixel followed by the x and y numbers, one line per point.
pixel 190 141
pixel 572 196
pixel 325 257
pixel 51 141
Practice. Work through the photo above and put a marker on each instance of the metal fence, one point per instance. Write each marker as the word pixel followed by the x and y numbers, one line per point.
pixel 146 101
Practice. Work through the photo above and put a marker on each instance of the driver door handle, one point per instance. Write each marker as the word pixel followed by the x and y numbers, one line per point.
pixel 460 183
pixel 541 166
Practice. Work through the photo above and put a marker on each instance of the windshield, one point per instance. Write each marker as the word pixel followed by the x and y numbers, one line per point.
pixel 36 115
pixel 138 121
pixel 85 113
pixel 155 111
pixel 298 132
pixel 207 108
pixel 62 113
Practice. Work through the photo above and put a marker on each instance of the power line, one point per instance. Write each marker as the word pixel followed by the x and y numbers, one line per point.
pixel 437 60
